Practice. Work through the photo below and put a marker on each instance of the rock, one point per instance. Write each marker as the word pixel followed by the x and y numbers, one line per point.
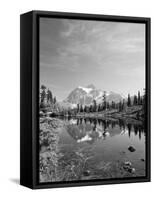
pixel 128 167
pixel 125 167
pixel 142 159
pixel 106 134
pixel 41 114
pixel 128 163
pixel 131 170
pixel 131 149
pixel 86 173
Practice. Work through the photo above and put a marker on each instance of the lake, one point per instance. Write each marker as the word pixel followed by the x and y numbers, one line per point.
pixel 99 148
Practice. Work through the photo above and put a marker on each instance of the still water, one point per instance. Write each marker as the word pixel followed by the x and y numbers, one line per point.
pixel 102 145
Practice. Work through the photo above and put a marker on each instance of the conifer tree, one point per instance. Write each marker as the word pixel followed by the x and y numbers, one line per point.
pixel 81 108
pixel 91 108
pixel 107 105
pixel 120 106
pixel 78 108
pixel 104 101
pixel 43 95
pixel 85 109
pixel 139 98
pixel 43 87
pixel 54 100
pixel 113 105
pixel 144 100
pixel 135 101
pixel 49 96
pixel 123 105
pixel 94 106
pixel 129 101
pixel 99 108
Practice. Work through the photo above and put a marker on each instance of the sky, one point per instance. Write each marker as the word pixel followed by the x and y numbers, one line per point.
pixel 109 55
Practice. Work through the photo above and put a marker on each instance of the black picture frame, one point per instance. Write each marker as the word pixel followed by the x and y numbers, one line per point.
pixel 29 98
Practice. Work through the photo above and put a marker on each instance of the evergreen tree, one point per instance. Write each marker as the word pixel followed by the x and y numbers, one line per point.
pixel 107 105
pixel 135 101
pixel 91 108
pixel 49 96
pixel 43 87
pixel 85 109
pixel 113 105
pixel 139 98
pixel 99 108
pixel 94 106
pixel 120 106
pixel 144 100
pixel 81 108
pixel 78 108
pixel 129 101
pixel 141 101
pixel 43 95
pixel 54 100
pixel 104 100
pixel 123 104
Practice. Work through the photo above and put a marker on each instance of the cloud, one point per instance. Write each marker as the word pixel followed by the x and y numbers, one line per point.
pixel 95 41
pixel 88 48
pixel 92 41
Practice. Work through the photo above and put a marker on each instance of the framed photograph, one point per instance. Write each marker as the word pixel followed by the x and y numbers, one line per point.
pixel 85 99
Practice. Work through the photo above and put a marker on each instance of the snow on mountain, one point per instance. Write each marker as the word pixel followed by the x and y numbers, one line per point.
pixel 123 96
pixel 86 95
pixel 87 90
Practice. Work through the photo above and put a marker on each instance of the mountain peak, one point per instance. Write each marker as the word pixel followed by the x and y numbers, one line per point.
pixel 91 86
pixel 86 95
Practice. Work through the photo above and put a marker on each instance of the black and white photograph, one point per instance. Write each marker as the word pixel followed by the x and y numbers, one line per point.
pixel 92 105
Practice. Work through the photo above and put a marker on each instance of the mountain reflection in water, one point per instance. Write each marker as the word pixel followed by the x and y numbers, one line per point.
pixel 101 147
pixel 89 130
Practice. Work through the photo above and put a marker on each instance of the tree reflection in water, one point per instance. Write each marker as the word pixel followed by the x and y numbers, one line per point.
pixel 90 129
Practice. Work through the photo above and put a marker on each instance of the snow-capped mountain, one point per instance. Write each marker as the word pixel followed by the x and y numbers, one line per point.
pixel 86 95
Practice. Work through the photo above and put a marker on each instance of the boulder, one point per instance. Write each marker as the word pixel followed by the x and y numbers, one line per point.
pixel 86 173
pixel 42 114
pixel 128 163
pixel 131 149
pixel 131 170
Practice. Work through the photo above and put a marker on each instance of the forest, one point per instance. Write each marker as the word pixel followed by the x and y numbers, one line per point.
pixel 131 105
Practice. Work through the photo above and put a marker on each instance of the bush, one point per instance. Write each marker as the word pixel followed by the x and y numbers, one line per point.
pixel 43 105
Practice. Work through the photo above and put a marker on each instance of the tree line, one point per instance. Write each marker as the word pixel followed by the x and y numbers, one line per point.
pixel 48 100
pixel 106 105
pixel 46 97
